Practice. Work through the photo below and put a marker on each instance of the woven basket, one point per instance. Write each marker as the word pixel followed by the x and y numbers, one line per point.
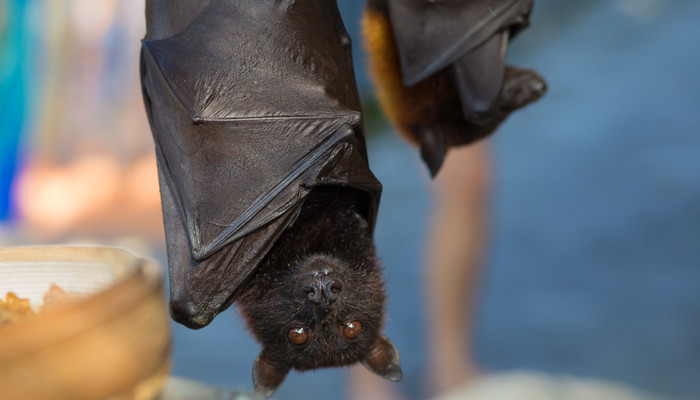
pixel 112 343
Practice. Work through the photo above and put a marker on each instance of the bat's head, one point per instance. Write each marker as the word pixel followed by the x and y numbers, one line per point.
pixel 323 314
pixel 310 309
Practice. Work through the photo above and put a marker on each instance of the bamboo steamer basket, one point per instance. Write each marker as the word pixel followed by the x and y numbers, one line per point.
pixel 113 342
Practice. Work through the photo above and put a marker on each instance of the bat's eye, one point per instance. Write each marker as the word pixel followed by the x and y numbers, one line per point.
pixel 352 329
pixel 298 335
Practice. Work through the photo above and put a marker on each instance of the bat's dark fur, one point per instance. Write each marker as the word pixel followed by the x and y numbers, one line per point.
pixel 329 244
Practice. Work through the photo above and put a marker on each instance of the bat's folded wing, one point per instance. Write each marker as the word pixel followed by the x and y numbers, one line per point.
pixel 246 121
pixel 433 34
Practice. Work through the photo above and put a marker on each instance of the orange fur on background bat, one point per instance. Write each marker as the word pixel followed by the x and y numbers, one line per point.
pixel 429 102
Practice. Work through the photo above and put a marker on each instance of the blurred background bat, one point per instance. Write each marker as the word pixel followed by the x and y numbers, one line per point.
pixel 439 68
pixel 267 195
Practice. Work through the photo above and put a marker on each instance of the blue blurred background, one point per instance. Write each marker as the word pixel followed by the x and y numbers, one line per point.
pixel 593 266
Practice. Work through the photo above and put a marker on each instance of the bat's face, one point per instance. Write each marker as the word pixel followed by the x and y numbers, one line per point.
pixel 319 310
pixel 320 314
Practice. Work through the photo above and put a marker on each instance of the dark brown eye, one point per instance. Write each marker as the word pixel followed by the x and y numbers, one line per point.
pixel 298 335
pixel 352 329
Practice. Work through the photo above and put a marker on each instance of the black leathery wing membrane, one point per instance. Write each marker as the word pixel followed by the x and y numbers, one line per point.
pixel 469 36
pixel 251 106
pixel 431 35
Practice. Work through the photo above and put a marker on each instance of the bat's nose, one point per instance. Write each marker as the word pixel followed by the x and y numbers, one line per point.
pixel 323 291
pixel 331 290
pixel 313 293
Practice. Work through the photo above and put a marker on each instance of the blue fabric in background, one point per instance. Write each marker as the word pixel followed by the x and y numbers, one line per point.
pixel 13 88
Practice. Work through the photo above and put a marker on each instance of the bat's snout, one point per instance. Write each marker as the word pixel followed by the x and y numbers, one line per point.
pixel 323 290
pixel 322 280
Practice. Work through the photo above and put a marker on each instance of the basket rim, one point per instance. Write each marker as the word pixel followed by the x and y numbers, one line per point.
pixel 139 279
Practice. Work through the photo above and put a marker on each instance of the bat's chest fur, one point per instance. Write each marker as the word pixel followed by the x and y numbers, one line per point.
pixel 320 278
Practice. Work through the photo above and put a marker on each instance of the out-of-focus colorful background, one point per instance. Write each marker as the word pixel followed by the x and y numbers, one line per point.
pixel 593 266
pixel 76 155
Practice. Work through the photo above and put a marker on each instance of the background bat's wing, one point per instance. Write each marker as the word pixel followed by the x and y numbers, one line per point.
pixel 251 105
pixel 478 76
pixel 431 35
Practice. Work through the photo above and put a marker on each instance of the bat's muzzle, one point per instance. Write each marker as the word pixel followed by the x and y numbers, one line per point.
pixel 323 290
pixel 322 281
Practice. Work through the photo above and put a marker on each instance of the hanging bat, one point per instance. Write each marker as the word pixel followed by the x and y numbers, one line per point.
pixel 439 68
pixel 267 195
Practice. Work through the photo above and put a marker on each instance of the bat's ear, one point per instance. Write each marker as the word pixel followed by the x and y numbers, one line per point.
pixel 432 147
pixel 383 360
pixel 268 375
